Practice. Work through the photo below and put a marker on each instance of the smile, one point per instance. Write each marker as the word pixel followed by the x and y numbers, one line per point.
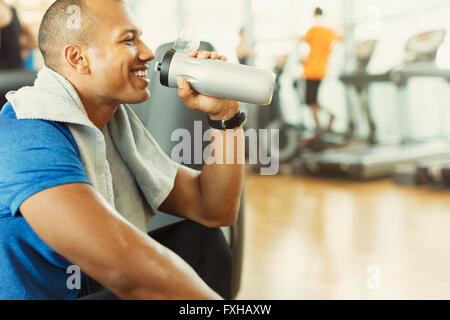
pixel 142 75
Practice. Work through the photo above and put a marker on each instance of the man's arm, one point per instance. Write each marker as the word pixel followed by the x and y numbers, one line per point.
pixel 306 37
pixel 80 225
pixel 338 36
pixel 211 197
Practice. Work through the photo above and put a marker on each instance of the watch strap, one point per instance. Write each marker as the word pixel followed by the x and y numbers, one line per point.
pixel 236 121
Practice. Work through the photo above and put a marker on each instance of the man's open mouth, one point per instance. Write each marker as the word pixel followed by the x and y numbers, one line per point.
pixel 142 74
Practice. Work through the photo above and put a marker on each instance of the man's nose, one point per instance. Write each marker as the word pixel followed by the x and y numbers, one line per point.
pixel 145 54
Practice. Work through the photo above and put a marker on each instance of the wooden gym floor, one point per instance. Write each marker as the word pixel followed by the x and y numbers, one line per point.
pixel 326 239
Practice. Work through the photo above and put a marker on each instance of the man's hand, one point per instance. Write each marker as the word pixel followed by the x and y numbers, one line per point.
pixel 216 108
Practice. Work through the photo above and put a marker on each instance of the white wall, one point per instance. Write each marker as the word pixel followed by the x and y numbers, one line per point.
pixel 215 21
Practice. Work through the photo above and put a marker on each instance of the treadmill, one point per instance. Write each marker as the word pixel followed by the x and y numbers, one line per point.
pixel 420 57
pixel 354 81
pixel 433 172
pixel 381 160
pixel 295 140
pixel 358 81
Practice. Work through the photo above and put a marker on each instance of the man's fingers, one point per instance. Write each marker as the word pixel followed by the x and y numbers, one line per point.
pixel 184 89
pixel 185 92
pixel 203 54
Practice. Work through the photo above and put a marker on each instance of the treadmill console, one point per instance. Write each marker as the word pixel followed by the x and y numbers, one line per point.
pixel 364 53
pixel 424 47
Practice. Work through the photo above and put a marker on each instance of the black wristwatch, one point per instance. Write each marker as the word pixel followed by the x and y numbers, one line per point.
pixel 236 121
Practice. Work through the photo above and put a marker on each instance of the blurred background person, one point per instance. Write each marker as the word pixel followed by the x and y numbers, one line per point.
pixel 10 31
pixel 28 43
pixel 320 40
pixel 245 55
pixel 16 40
pixel 244 50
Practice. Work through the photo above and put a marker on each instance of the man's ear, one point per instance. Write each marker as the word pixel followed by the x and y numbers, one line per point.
pixel 76 57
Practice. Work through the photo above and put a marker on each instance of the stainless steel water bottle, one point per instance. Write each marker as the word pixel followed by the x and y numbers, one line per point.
pixel 217 78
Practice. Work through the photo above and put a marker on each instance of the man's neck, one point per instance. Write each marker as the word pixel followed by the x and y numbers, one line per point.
pixel 99 112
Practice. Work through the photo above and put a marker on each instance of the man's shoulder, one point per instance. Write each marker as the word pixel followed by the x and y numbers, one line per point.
pixel 31 132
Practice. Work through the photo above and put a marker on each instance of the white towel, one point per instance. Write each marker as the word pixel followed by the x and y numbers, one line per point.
pixel 123 162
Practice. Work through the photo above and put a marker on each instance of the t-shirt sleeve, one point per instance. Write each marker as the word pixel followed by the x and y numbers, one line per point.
pixel 35 155
pixel 336 36
pixel 308 36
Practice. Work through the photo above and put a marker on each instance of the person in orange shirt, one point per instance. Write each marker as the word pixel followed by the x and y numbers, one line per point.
pixel 320 40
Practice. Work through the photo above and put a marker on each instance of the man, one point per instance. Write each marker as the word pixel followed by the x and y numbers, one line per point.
pixel 320 40
pixel 80 176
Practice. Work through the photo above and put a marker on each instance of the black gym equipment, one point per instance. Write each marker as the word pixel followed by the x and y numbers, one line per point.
pixel 14 79
pixel 270 117
pixel 434 172
pixel 381 161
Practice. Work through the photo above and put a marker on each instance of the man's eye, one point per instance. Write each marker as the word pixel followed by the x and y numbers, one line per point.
pixel 130 40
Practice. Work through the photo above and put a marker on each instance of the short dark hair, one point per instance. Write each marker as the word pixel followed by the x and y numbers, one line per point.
pixel 55 33
pixel 318 11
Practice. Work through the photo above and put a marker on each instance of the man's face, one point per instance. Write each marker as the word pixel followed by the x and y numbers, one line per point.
pixel 118 61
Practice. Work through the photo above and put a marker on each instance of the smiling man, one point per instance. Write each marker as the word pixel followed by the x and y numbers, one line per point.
pixel 80 177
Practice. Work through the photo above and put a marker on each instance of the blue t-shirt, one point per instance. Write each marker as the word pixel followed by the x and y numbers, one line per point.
pixel 34 155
